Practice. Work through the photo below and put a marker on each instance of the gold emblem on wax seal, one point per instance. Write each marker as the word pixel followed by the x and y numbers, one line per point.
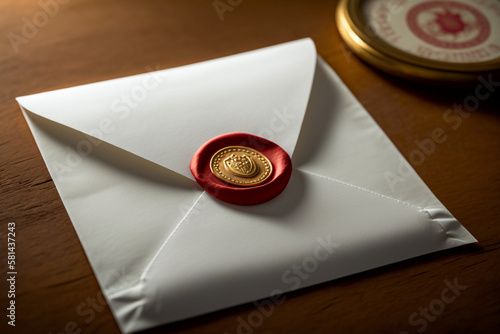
pixel 241 166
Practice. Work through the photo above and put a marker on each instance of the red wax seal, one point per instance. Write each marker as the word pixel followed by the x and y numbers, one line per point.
pixel 241 168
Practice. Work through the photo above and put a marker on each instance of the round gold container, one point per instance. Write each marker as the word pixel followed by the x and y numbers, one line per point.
pixel 357 33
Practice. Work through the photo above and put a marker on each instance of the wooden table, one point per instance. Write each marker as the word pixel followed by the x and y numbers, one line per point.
pixel 87 41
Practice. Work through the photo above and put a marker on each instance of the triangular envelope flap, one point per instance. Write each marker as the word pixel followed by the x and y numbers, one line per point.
pixel 341 141
pixel 252 252
pixel 165 116
pixel 122 206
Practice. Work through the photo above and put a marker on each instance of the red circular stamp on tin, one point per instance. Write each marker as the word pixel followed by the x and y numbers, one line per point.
pixel 241 168
pixel 448 24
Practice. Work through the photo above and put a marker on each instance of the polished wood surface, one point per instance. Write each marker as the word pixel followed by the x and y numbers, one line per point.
pixel 88 41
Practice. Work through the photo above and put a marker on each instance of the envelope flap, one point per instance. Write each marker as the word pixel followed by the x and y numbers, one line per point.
pixel 165 116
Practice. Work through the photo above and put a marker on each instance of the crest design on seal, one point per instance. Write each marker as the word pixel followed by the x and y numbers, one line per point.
pixel 240 165
pixel 448 24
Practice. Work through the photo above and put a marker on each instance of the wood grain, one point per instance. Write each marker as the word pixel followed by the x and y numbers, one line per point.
pixel 88 41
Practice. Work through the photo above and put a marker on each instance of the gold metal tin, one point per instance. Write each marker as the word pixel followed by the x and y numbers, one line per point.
pixel 357 34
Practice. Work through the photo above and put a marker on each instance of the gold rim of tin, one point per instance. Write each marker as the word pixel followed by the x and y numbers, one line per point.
pixel 352 27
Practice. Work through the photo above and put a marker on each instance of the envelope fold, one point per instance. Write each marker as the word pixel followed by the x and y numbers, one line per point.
pixel 129 306
pixel 456 233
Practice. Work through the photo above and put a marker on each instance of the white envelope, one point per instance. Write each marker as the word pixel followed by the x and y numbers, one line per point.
pixel 164 250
